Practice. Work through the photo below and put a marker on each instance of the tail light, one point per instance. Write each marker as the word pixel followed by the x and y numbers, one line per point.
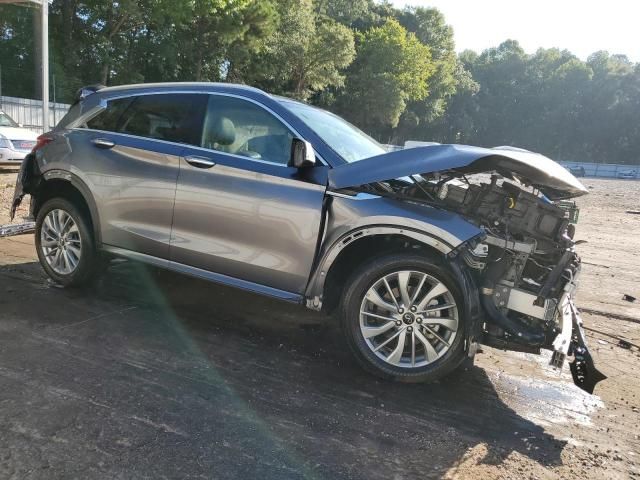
pixel 41 141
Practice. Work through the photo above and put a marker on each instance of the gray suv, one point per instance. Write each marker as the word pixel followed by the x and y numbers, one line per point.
pixel 423 253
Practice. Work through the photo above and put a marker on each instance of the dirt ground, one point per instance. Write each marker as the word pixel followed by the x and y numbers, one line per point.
pixel 154 375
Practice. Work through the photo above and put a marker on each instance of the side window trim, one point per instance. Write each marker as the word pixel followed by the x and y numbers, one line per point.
pixel 269 111
pixel 102 105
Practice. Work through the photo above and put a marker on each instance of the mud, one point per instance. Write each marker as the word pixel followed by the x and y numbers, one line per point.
pixel 154 375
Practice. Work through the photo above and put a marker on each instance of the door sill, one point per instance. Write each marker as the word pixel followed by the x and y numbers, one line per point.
pixel 205 274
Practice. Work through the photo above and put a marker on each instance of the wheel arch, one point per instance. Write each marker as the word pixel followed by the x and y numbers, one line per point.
pixel 64 184
pixel 357 246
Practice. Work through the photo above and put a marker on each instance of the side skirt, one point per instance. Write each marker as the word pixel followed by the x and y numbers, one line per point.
pixel 205 274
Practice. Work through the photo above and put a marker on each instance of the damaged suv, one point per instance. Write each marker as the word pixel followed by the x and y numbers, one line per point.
pixel 425 253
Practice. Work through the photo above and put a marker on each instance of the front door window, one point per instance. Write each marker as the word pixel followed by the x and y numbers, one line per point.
pixel 239 127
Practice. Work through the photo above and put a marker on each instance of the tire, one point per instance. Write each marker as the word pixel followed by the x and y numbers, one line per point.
pixel 76 269
pixel 425 365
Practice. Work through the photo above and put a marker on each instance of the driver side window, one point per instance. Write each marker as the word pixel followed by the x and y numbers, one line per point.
pixel 237 126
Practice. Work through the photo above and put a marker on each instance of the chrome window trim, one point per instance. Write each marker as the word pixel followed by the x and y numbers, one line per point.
pixel 186 145
pixel 357 196
pixel 85 117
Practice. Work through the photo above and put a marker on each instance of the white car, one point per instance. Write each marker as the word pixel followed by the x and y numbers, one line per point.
pixel 628 174
pixel 15 142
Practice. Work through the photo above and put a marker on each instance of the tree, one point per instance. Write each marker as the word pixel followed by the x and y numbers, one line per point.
pixel 16 51
pixel 305 54
pixel 391 68
pixel 430 28
pixel 345 12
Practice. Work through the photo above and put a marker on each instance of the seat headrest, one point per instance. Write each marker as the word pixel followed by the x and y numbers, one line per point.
pixel 221 131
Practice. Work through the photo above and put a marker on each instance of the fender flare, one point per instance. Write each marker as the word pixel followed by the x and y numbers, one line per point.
pixel 315 287
pixel 85 192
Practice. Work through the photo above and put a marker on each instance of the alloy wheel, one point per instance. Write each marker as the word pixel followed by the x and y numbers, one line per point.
pixel 409 318
pixel 60 242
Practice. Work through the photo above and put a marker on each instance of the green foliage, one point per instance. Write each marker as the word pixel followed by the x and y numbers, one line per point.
pixel 550 102
pixel 431 29
pixel 394 72
pixel 305 54
pixel 16 50
pixel 343 11
pixel 392 67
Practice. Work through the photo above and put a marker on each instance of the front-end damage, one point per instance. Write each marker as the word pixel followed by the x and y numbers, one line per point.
pixel 525 267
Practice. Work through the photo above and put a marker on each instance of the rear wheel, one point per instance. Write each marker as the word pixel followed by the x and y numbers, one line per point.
pixel 401 315
pixel 64 243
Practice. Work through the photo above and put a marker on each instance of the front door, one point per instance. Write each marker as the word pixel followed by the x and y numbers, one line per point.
pixel 240 210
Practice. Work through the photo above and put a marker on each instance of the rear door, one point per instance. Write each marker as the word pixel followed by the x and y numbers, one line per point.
pixel 240 210
pixel 135 146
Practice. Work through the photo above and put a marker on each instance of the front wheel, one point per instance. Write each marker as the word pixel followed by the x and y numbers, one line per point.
pixel 401 315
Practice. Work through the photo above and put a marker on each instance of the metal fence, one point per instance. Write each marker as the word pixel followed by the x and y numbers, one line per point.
pixel 608 170
pixel 29 112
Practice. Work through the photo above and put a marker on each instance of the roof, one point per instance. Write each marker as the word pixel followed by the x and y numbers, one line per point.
pixel 190 85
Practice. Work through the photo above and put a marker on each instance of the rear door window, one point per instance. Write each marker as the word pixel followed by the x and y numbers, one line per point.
pixel 171 117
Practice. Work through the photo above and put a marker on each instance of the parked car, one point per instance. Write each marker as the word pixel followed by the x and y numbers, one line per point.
pixel 577 171
pixel 421 254
pixel 628 174
pixel 15 142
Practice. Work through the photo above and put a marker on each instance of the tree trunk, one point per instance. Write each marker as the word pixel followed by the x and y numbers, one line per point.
pixel 68 13
pixel 104 74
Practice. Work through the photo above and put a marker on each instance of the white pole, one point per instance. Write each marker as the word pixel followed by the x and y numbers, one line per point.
pixel 45 65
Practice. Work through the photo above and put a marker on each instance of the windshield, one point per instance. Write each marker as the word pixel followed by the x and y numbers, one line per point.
pixel 350 142
pixel 6 120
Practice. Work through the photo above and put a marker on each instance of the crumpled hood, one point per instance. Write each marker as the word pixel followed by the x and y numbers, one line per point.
pixel 534 169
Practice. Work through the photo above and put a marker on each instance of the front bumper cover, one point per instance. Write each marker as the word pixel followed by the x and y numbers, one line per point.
pixel 571 342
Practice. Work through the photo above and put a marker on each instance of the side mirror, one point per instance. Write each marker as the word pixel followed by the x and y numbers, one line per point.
pixel 302 154
pixel 20 125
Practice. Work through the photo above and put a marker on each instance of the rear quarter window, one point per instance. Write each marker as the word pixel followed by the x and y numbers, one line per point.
pixel 72 114
pixel 109 119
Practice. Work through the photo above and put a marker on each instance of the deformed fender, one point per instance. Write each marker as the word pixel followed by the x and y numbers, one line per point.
pixel 316 285
pixel 352 218
pixel 315 288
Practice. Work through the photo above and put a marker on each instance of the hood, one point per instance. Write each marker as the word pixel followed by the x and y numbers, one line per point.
pixel 14 133
pixel 530 168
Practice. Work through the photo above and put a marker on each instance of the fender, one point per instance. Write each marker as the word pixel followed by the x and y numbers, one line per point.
pixel 78 183
pixel 315 288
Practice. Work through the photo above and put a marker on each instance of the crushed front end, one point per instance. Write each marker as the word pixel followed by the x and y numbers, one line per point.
pixel 526 266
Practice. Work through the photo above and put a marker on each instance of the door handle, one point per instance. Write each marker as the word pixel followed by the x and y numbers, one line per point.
pixel 199 162
pixel 103 143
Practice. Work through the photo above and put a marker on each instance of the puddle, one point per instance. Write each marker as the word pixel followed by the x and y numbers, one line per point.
pixel 550 398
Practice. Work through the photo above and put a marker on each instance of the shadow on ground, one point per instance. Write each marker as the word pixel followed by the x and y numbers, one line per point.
pixel 152 374
pixel 9 168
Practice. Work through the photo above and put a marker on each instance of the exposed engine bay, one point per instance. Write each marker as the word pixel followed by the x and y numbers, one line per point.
pixel 526 266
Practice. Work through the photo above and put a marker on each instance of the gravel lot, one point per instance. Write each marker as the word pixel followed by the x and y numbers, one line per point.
pixel 154 375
